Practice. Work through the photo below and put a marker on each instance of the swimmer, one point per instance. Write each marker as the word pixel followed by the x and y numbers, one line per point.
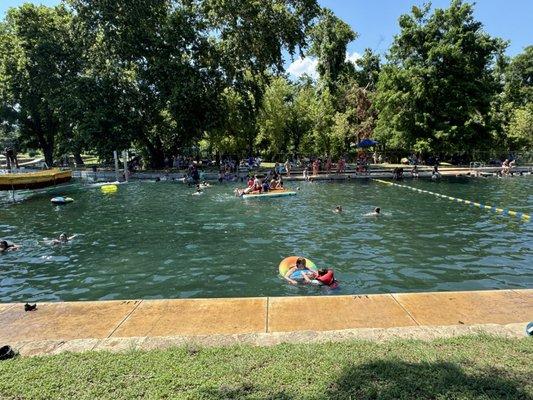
pixel 435 174
pixel 63 238
pixel 205 184
pixel 337 209
pixel 414 172
pixel 301 266
pixel 376 212
pixel 5 246
pixel 198 190
pixel 323 277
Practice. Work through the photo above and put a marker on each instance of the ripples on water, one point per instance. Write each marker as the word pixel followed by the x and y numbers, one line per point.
pixel 158 241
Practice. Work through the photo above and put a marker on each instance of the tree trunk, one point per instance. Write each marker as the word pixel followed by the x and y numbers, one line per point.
pixel 47 146
pixel 77 159
pixel 156 153
pixel 48 154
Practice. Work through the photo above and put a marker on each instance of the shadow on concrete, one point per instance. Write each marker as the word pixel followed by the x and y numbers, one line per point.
pixel 402 380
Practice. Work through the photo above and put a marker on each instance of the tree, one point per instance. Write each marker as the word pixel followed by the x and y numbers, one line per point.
pixel 514 106
pixel 436 91
pixel 275 117
pixel 518 88
pixel 367 70
pixel 330 38
pixel 38 63
pixel 162 76
pixel 520 128
pixel 253 34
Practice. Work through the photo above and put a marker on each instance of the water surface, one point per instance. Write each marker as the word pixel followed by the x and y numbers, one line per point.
pixel 156 240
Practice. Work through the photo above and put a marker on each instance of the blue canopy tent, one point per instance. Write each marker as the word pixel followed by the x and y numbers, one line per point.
pixel 367 143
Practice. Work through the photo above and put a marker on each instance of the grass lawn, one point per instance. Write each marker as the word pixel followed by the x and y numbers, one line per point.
pixel 474 367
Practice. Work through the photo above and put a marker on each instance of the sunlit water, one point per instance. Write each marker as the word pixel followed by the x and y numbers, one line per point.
pixel 156 240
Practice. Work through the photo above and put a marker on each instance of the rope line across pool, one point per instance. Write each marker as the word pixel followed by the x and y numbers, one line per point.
pixel 503 211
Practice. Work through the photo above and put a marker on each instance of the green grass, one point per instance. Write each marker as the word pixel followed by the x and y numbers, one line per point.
pixel 475 367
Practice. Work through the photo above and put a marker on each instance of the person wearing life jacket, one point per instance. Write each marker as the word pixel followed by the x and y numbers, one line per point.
pixel 323 277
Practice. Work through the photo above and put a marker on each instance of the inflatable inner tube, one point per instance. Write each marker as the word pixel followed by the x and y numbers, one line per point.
pixel 289 262
pixel 61 200
pixel 109 188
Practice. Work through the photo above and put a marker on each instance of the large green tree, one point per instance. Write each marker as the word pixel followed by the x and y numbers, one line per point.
pixel 160 70
pixel 39 63
pixel 330 38
pixel 516 102
pixel 436 91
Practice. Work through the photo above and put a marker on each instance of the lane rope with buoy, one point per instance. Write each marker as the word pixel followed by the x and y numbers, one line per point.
pixel 502 211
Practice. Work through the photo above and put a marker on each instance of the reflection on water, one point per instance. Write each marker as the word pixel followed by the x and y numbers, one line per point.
pixel 158 241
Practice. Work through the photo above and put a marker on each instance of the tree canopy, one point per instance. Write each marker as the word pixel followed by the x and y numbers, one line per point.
pixel 160 77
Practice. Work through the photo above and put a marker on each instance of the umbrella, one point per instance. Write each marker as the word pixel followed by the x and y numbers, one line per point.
pixel 367 143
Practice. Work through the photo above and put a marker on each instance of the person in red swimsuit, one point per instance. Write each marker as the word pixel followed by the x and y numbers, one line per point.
pixel 323 277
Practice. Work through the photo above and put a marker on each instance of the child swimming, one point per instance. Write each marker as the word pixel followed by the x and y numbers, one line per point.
pixel 301 269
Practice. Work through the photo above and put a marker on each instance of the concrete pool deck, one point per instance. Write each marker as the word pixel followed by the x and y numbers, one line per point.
pixel 147 324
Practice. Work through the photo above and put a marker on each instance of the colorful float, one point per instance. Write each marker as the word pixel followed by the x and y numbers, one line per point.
pixel 289 262
pixel 270 193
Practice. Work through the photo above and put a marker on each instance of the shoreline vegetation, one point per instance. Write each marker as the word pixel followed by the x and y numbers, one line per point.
pixel 469 367
pixel 206 78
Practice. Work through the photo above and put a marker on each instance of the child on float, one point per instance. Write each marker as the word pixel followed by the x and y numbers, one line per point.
pixel 299 267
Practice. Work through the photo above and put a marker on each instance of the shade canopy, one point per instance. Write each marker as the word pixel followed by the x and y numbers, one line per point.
pixel 367 143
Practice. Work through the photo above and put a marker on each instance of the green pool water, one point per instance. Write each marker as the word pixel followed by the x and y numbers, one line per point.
pixel 156 240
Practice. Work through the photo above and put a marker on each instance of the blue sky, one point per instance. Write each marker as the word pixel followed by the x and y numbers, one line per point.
pixel 376 22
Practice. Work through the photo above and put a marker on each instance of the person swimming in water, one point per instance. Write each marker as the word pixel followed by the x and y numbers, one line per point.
pixel 337 209
pixel 62 239
pixel 376 212
pixel 198 189
pixel 299 266
pixel 5 246
pixel 323 277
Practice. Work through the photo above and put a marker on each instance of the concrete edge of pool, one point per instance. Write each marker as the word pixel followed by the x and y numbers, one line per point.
pixel 147 324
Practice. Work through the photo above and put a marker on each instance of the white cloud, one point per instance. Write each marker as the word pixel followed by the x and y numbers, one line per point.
pixel 353 57
pixel 307 65
pixel 302 66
